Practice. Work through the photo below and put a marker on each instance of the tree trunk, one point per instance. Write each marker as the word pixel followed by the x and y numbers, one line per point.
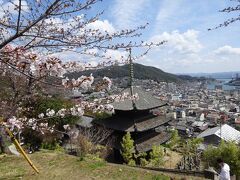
pixel 3 141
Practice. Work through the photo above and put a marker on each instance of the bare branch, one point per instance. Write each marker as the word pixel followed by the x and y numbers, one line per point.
pixel 231 20
pixel 44 15
pixel 19 15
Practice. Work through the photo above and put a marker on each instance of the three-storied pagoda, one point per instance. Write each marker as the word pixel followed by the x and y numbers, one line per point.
pixel 136 116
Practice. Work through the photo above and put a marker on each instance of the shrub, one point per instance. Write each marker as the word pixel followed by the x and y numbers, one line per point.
pixel 175 140
pixel 128 149
pixel 132 162
pixel 102 151
pixel 156 156
pixel 143 162
pixel 54 145
pixel 190 146
pixel 141 158
pixel 228 151
pixel 84 146
pixel 38 105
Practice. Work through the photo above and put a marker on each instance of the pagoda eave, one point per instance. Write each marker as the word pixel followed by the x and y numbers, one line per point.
pixel 158 139
pixel 129 124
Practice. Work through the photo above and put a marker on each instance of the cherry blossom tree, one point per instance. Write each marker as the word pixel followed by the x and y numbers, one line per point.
pixel 33 32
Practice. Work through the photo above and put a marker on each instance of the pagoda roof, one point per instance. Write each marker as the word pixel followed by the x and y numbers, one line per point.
pixel 133 124
pixel 144 102
pixel 144 145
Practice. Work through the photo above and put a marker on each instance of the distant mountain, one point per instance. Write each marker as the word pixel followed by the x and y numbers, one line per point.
pixel 218 75
pixel 140 72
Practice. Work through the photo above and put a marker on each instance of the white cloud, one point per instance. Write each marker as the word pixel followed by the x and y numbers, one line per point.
pixel 116 55
pixel 202 61
pixel 168 16
pixel 128 13
pixel 102 26
pixel 184 52
pixel 167 9
pixel 227 50
pixel 186 42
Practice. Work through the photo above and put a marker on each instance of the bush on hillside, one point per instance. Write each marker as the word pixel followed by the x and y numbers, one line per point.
pixel 174 141
pixel 38 105
pixel 156 156
pixel 128 150
pixel 228 151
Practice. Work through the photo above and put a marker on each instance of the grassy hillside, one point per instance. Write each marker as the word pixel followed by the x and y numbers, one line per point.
pixel 57 166
pixel 140 72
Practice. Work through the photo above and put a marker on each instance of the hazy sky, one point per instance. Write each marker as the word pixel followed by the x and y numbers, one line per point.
pixel 184 24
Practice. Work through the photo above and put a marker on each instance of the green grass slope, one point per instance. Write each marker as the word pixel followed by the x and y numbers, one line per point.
pixel 60 166
pixel 57 166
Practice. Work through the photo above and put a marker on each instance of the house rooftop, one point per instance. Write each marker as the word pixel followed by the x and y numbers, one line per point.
pixel 224 132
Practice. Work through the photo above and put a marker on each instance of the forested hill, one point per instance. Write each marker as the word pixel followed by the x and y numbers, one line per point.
pixel 140 72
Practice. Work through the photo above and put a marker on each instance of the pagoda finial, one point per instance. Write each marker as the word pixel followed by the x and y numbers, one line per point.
pixel 131 76
pixel 131 70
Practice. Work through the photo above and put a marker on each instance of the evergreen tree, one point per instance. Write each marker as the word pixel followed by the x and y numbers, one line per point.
pixel 175 140
pixel 128 150
pixel 156 156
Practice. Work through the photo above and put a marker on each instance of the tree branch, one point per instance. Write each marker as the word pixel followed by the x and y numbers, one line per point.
pixel 19 15
pixel 30 76
pixel 44 15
